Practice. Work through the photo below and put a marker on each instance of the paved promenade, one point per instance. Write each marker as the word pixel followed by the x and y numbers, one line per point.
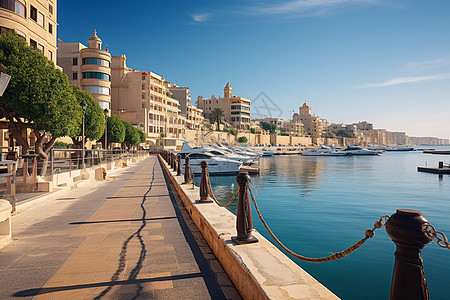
pixel 121 239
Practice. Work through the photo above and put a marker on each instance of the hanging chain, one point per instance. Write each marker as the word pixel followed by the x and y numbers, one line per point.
pixel 369 233
pixel 432 233
pixel 214 196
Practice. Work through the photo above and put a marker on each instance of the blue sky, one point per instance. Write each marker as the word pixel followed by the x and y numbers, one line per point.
pixel 384 61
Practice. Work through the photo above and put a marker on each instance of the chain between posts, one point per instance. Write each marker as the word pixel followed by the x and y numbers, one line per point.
pixel 432 233
pixel 369 233
pixel 214 196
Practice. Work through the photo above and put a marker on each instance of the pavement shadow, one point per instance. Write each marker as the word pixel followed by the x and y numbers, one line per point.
pixel 109 284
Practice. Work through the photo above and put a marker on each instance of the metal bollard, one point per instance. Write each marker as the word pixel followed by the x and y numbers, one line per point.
pixel 187 168
pixel 174 162
pixel 179 166
pixel 204 187
pixel 244 222
pixel 408 279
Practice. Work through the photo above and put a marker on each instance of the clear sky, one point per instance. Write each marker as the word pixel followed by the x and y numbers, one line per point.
pixel 383 61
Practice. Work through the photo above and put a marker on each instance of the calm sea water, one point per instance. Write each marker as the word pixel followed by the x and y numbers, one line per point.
pixel 318 205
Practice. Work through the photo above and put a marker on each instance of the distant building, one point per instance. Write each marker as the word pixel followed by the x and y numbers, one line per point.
pixel 88 67
pixel 194 115
pixel 364 125
pixel 286 126
pixel 236 109
pixel 313 125
pixel 347 130
pixel 33 20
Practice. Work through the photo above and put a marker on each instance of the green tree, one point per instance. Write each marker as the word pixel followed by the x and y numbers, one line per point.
pixel 272 128
pixel 234 132
pixel 252 130
pixel 132 137
pixel 94 127
pixel 217 116
pixel 116 129
pixel 243 140
pixel 142 136
pixel 38 97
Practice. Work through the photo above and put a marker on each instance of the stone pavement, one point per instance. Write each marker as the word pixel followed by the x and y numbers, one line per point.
pixel 121 239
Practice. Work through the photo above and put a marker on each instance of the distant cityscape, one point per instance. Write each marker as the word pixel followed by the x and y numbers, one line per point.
pixel 164 111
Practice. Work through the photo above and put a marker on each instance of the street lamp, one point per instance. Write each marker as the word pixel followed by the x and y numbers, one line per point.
pixel 106 111
pixel 84 106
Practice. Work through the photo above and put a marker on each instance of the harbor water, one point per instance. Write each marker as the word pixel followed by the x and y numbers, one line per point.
pixel 318 205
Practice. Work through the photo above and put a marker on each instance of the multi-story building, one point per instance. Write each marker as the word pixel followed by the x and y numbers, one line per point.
pixel 143 99
pixel 194 117
pixel 236 109
pixel 88 67
pixel 313 125
pixel 34 20
pixel 348 130
pixel 283 126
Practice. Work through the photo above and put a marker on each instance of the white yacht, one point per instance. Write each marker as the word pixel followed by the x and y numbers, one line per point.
pixel 324 151
pixel 219 152
pixel 357 150
pixel 216 165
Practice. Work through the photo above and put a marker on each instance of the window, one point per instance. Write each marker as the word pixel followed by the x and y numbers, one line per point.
pixel 75 61
pixel 143 77
pixel 199 156
pixel 33 44
pixel 40 19
pixel 93 89
pixel 143 104
pixel 75 76
pixel 95 61
pixel 50 28
pixel 14 6
pixel 96 75
pixel 50 55
pixel 143 87
pixel 50 9
pixel 33 13
pixel 143 96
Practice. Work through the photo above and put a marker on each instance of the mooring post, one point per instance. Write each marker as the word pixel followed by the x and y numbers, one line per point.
pixel 244 222
pixel 179 166
pixel 408 279
pixel 187 169
pixel 204 186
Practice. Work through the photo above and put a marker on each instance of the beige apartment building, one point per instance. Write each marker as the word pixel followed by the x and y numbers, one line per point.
pixel 236 109
pixel 313 125
pixel 144 100
pixel 194 115
pixel 88 67
pixel 34 20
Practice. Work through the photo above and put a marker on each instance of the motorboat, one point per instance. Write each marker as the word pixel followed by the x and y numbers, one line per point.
pixel 268 152
pixel 219 152
pixel 357 150
pixel 399 148
pixel 217 165
pixel 323 151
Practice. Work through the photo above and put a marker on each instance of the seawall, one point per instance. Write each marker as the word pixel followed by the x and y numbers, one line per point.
pixel 259 270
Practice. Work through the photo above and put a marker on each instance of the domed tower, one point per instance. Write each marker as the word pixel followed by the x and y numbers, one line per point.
pixel 228 91
pixel 96 71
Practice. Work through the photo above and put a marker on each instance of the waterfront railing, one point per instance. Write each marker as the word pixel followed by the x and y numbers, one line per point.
pixel 408 228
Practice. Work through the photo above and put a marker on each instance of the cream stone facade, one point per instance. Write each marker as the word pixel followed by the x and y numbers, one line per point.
pixel 313 125
pixel 144 100
pixel 236 109
pixel 194 115
pixel 34 20
pixel 88 67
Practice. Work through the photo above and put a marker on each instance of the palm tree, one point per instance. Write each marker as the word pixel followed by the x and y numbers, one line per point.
pixel 217 115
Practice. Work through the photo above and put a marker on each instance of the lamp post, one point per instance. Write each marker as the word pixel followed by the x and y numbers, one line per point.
pixel 106 111
pixel 84 106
